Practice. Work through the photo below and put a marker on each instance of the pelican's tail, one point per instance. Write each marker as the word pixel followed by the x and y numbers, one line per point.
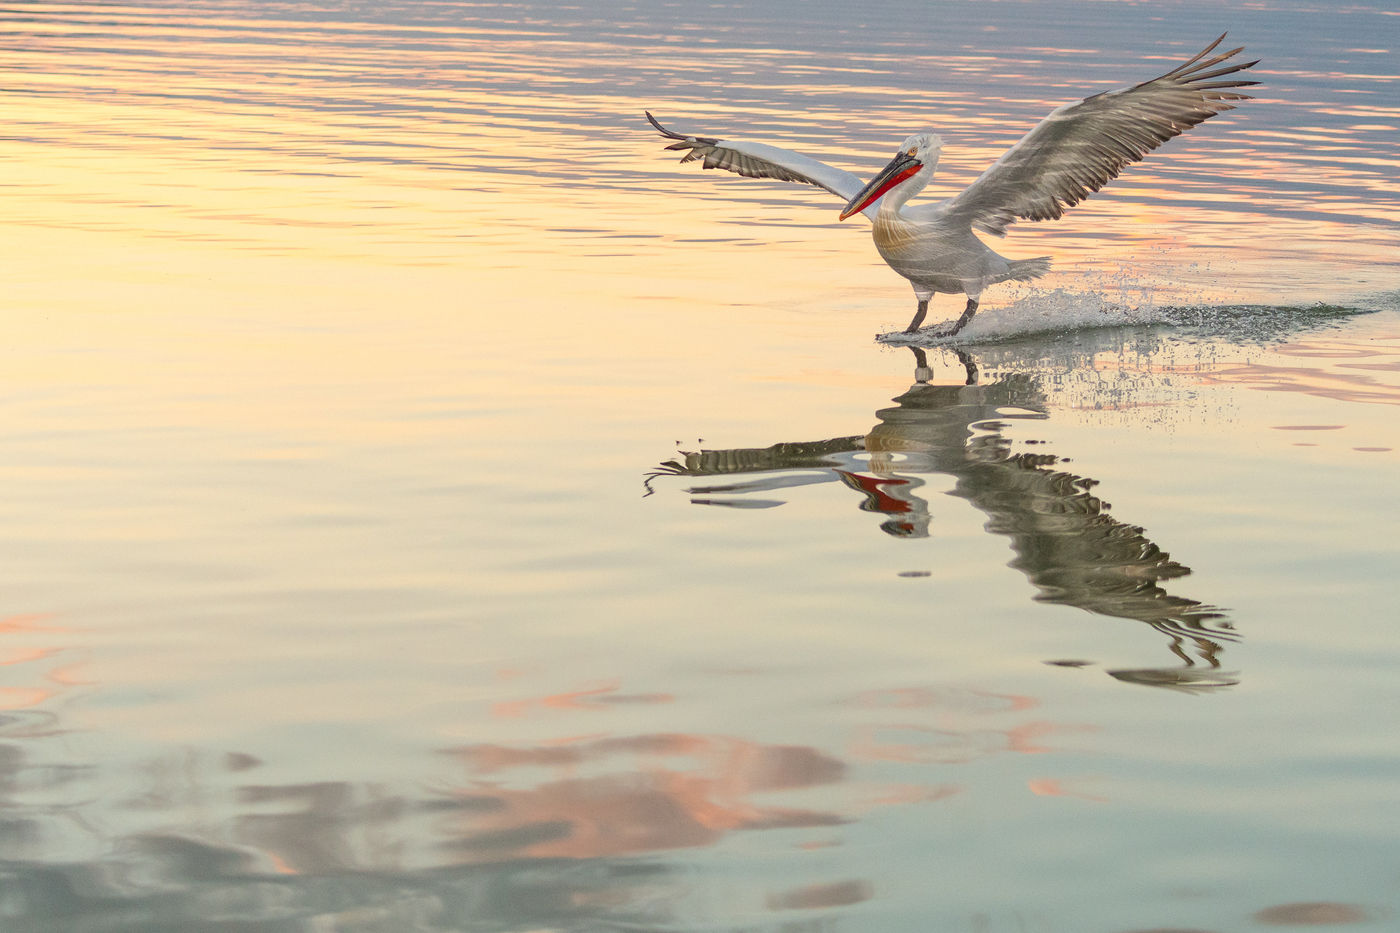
pixel 1023 270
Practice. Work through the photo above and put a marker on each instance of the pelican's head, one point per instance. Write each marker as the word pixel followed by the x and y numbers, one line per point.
pixel 915 159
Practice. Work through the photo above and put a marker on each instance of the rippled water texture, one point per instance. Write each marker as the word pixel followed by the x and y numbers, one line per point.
pixel 427 506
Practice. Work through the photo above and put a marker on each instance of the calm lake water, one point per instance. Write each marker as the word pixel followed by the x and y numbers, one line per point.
pixel 428 507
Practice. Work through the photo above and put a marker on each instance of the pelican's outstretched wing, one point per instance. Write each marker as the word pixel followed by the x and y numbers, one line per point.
pixel 1079 147
pixel 760 160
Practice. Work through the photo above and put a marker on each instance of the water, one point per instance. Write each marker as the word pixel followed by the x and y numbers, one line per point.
pixel 429 507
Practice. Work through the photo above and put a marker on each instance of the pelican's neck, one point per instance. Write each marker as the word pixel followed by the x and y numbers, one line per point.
pixel 895 199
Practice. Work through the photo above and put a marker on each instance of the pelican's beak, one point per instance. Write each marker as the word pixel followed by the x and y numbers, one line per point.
pixel 901 168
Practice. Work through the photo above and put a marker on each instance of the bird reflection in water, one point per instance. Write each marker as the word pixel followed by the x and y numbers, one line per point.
pixel 1065 541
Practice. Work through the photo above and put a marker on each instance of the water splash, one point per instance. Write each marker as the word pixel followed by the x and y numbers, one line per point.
pixel 1060 310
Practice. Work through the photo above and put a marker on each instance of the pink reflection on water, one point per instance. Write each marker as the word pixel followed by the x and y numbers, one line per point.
pixel 668 791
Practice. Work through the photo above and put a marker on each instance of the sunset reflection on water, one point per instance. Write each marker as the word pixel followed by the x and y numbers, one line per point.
pixel 429 506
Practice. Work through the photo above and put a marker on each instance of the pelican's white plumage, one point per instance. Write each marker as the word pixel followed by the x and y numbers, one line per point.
pixel 1070 154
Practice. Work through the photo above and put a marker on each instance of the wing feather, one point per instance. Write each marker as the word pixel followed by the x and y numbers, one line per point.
pixel 760 160
pixel 1080 147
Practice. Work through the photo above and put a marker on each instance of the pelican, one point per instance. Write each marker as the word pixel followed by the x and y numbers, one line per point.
pixel 1070 154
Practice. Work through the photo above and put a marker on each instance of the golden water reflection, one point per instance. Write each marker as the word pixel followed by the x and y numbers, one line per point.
pixel 503 135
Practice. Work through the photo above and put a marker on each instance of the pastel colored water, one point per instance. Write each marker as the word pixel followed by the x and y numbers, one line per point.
pixel 430 507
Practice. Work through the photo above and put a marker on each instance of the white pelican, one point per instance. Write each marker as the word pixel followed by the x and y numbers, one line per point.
pixel 1073 152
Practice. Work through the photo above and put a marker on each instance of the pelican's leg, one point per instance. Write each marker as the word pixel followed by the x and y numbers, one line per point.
pixel 918 316
pixel 922 371
pixel 967 314
pixel 969 366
